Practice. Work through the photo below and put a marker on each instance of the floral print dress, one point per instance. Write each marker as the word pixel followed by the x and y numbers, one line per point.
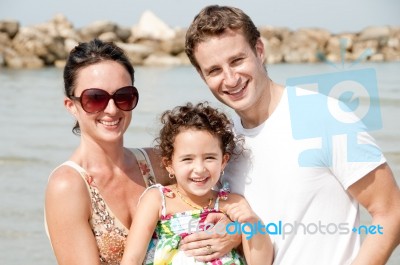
pixel 174 227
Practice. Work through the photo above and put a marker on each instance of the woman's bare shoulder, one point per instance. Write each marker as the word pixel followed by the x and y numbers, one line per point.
pixel 66 179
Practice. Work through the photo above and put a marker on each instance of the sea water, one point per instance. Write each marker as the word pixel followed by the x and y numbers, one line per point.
pixel 35 137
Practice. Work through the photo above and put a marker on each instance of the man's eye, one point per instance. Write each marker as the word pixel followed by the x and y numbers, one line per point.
pixel 213 71
pixel 237 60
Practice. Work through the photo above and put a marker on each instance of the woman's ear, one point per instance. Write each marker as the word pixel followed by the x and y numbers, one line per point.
pixel 70 106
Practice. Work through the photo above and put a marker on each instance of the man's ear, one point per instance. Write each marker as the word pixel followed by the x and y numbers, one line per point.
pixel 260 50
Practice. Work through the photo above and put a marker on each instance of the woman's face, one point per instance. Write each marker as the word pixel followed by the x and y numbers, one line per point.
pixel 110 124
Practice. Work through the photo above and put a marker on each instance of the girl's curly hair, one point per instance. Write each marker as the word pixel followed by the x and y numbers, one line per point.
pixel 198 117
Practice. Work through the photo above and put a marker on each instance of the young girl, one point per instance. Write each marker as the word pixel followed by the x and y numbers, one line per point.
pixel 195 144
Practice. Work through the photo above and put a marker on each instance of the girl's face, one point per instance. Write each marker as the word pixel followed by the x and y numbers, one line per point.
pixel 197 162
pixel 110 124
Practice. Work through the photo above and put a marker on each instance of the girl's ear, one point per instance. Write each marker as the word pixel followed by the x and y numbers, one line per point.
pixel 167 165
pixel 225 159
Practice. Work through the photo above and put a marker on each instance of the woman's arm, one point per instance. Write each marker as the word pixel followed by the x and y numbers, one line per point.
pixel 68 208
pixel 257 246
pixel 143 225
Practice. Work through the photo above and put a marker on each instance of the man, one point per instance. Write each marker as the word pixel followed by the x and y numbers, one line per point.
pixel 311 210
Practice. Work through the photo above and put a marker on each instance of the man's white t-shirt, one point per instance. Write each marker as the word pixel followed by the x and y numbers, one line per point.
pixel 308 212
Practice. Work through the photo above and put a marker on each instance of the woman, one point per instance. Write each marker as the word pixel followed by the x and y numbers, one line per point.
pixel 81 224
pixel 91 199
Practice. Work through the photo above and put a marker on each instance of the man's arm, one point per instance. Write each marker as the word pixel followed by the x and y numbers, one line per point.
pixel 380 195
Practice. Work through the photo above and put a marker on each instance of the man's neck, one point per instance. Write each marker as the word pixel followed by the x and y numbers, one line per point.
pixel 264 108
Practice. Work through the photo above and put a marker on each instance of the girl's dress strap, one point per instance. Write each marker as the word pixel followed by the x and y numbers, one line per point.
pixel 222 194
pixel 161 189
pixel 145 166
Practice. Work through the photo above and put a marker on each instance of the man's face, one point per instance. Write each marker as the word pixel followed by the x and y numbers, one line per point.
pixel 232 70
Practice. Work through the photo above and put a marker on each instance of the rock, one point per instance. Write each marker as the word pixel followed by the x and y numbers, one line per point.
pixel 316 35
pixel 56 49
pixel 269 32
pixel 151 27
pixel 364 48
pixel 273 52
pixel 176 45
pixel 14 60
pixel 162 59
pixel 60 63
pixel 135 52
pixel 153 42
pixel 31 41
pixel 374 33
pixel 69 44
pixel 109 36
pixel 338 46
pixel 123 33
pixel 10 27
pixel 96 28
pixel 393 43
pixel 184 59
pixel 5 41
pixel 378 57
pixel 390 54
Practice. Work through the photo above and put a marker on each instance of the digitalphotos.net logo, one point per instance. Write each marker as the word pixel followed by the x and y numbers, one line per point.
pixel 282 229
pixel 356 92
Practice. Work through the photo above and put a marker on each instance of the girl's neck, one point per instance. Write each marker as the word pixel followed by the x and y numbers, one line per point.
pixel 196 202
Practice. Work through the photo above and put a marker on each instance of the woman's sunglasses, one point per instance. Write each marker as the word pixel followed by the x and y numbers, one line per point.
pixel 94 100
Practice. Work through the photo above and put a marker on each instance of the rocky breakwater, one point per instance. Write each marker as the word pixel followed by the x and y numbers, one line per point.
pixel 153 42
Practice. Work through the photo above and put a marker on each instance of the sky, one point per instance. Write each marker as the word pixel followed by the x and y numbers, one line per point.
pixel 334 15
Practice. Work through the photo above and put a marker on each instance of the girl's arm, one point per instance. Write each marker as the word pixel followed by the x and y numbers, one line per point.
pixel 257 246
pixel 68 209
pixel 143 225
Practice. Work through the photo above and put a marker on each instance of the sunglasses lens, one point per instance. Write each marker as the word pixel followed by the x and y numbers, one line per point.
pixel 94 100
pixel 126 98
